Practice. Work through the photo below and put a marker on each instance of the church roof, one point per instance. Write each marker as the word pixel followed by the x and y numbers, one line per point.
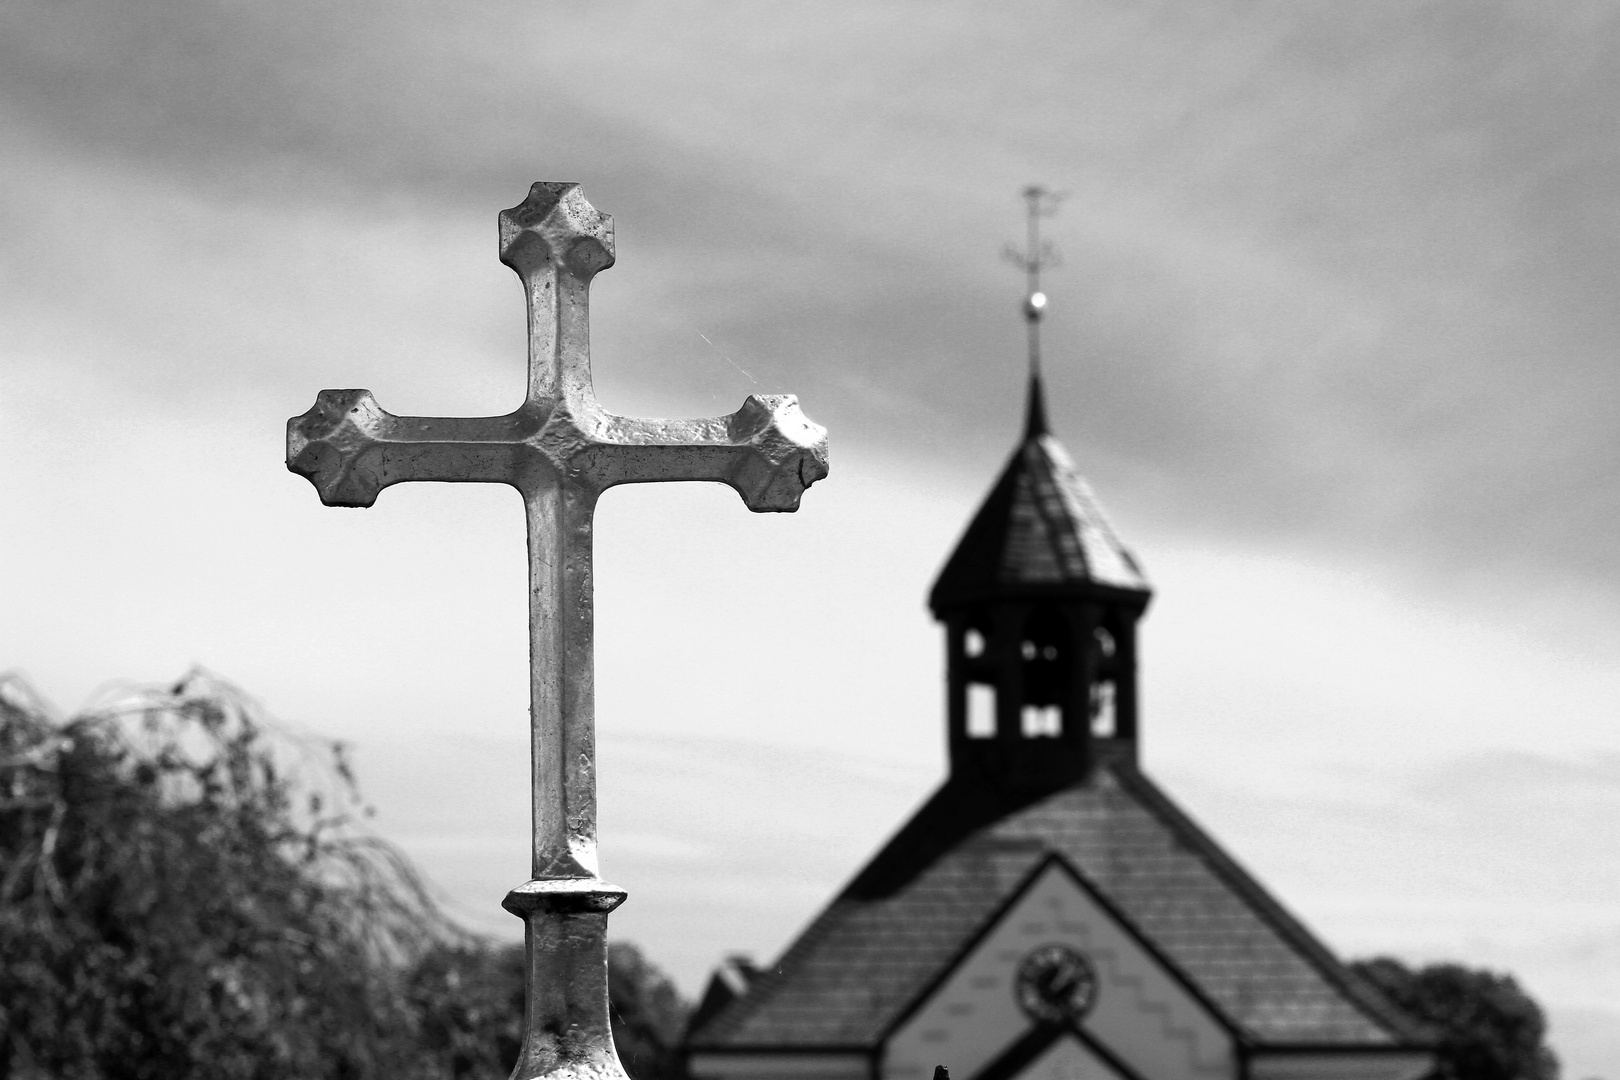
pixel 1041 527
pixel 900 925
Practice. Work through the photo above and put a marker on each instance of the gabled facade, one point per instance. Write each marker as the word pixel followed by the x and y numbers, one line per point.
pixel 1049 913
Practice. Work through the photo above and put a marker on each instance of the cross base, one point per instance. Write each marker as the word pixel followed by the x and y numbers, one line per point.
pixel 565 948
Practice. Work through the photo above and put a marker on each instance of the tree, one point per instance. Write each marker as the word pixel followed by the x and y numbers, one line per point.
pixel 1489 1028
pixel 186 895
pixel 469 1002
pixel 188 891
pixel 649 1015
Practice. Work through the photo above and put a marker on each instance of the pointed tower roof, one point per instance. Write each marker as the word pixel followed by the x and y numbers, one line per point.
pixel 1040 531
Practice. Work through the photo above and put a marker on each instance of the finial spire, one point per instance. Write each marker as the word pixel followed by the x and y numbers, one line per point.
pixel 1036 256
pixel 1035 411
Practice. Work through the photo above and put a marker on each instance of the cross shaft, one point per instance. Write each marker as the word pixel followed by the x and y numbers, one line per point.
pixel 561 450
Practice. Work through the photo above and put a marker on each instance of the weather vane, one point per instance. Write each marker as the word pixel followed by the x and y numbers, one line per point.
pixel 1036 256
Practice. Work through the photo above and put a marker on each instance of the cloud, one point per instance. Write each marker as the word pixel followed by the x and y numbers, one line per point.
pixel 1335 275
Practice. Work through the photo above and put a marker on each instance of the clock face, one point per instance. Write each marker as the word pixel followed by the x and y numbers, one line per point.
pixel 1055 983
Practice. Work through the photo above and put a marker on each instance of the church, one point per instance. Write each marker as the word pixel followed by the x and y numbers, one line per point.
pixel 1049 913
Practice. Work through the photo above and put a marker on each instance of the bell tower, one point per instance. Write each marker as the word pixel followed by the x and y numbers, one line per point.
pixel 1040 602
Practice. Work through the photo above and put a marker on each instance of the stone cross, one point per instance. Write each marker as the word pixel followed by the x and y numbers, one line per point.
pixel 561 450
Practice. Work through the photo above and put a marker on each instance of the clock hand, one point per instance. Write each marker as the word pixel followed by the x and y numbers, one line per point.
pixel 1064 982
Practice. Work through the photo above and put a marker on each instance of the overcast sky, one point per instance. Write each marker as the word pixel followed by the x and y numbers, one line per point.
pixel 1334 336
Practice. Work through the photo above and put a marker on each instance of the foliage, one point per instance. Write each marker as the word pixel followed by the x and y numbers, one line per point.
pixel 186 891
pixel 186 895
pixel 469 999
pixel 1490 1029
pixel 649 1015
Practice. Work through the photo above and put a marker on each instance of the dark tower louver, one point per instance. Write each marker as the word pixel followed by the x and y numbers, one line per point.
pixel 1040 602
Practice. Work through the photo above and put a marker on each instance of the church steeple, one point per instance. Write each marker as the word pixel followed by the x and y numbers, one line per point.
pixel 1049 910
pixel 1040 602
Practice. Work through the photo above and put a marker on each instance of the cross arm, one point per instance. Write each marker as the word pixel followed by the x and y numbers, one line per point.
pixel 768 450
pixel 350 448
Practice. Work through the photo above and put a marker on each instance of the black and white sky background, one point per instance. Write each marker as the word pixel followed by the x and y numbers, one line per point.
pixel 1334 337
